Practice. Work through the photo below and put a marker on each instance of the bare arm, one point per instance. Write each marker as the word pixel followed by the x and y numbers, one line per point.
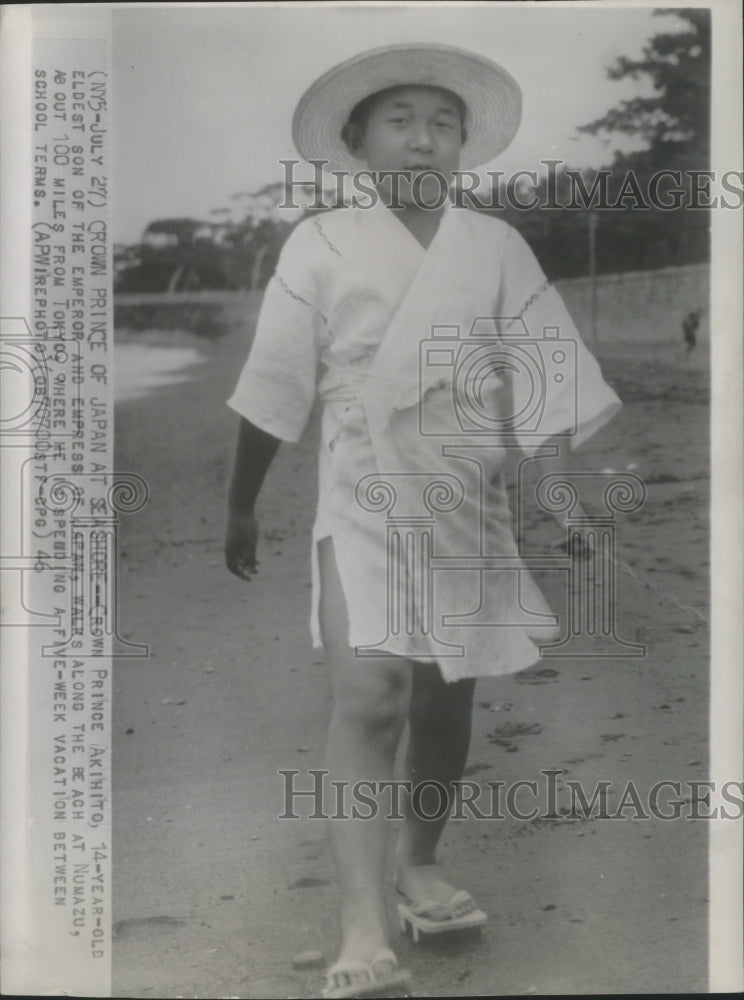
pixel 254 453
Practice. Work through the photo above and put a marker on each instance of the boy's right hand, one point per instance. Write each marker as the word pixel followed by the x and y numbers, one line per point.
pixel 241 539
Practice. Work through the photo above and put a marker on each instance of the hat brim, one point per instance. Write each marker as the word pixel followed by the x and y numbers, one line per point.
pixel 492 97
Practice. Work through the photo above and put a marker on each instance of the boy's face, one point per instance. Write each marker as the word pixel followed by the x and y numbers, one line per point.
pixel 411 129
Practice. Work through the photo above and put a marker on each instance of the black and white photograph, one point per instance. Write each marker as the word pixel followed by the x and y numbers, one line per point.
pixel 373 613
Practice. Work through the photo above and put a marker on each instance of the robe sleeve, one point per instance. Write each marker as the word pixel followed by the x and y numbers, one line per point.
pixel 276 388
pixel 557 385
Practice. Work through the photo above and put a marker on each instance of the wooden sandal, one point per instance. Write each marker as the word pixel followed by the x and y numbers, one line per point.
pixel 432 916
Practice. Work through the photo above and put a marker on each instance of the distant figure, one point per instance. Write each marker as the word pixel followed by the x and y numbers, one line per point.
pixel 689 328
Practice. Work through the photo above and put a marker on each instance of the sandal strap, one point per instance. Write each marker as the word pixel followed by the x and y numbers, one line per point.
pixel 462 903
pixel 459 904
pixel 349 974
pixel 384 955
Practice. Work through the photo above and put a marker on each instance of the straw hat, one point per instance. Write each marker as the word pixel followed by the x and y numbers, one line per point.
pixel 492 97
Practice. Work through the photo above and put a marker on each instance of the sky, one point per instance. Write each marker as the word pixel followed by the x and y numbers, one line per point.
pixel 203 96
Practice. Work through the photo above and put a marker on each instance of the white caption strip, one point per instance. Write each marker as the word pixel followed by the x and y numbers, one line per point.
pixel 59 567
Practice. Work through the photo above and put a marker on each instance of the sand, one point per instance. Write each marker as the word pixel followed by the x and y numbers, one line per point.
pixel 214 894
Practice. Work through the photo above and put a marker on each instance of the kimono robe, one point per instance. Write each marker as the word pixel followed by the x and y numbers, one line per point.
pixel 415 353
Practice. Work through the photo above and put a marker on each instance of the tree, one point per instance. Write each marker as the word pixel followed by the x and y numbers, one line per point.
pixel 673 125
pixel 176 255
pixel 256 227
pixel 673 122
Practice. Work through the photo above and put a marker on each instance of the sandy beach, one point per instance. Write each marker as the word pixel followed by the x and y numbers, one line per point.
pixel 214 895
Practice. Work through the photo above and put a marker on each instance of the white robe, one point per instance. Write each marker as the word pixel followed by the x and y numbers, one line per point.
pixel 420 356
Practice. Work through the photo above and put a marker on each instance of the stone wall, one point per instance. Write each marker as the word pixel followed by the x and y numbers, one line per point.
pixel 635 306
pixel 640 305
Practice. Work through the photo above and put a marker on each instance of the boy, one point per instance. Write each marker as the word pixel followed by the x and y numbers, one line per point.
pixel 349 313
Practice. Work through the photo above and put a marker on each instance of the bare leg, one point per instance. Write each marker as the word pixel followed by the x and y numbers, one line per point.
pixel 440 720
pixel 371 699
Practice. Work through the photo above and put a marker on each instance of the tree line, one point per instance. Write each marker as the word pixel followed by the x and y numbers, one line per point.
pixel 239 246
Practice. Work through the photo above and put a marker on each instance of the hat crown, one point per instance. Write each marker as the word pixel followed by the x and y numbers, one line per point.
pixel 492 98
